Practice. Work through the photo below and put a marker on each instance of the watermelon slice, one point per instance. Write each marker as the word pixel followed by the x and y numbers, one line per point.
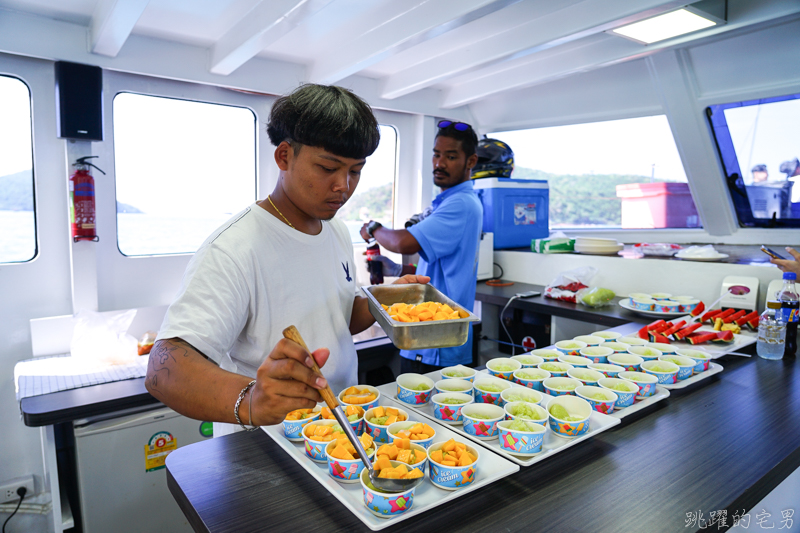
pixel 655 325
pixel 701 337
pixel 643 334
pixel 724 336
pixel 681 334
pixel 735 316
pixel 753 324
pixel 668 332
pixel 710 315
pixel 698 309
pixel 658 325
pixel 726 313
pixel 746 318
pixel 657 337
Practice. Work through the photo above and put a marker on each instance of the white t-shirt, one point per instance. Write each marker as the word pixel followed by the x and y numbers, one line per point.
pixel 255 276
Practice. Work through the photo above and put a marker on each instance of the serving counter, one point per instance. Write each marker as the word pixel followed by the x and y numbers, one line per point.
pixel 723 443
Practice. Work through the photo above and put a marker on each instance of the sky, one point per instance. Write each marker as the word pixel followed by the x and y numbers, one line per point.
pixel 15 135
pixel 765 134
pixel 628 146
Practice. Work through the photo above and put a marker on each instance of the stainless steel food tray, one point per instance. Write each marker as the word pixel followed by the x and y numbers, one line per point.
pixel 418 335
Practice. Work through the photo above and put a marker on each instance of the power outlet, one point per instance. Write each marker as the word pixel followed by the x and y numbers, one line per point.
pixel 8 489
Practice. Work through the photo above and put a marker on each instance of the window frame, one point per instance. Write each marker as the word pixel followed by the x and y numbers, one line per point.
pixel 732 175
pixel 184 99
pixel 33 174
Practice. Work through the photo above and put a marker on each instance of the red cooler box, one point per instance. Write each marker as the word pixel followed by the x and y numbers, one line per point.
pixel 657 205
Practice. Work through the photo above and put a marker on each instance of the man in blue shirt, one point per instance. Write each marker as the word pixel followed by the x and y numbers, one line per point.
pixel 446 237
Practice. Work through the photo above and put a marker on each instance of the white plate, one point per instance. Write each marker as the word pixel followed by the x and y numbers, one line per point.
pixel 596 241
pixel 661 394
pixel 491 467
pixel 713 368
pixel 598 251
pixel 717 257
pixel 625 303
pixel 552 444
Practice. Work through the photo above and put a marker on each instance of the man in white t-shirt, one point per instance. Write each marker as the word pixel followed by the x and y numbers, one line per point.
pixel 220 354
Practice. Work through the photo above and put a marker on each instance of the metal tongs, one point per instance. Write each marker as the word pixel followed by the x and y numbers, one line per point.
pixel 384 484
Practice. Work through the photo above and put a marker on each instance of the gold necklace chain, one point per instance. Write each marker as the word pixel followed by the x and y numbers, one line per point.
pixel 279 212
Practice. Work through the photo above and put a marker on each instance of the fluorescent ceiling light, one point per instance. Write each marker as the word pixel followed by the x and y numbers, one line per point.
pixel 664 26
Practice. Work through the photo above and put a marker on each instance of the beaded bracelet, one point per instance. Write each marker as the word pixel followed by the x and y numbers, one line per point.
pixel 239 402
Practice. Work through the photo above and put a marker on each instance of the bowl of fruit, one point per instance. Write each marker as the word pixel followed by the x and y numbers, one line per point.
pixel 557 369
pixel 447 406
pixel 600 399
pixel 665 371
pixel 487 390
pixel 503 367
pixel 598 354
pixel 354 413
pixel 452 464
pixel 405 451
pixel 548 354
pixel 414 389
pixel 528 360
pixel 344 464
pixel 388 504
pixel 296 420
pixel 317 435
pixel 569 416
pixel 576 360
pixel 364 396
pixel 607 369
pixel 480 420
pixel 646 382
pixel 561 386
pixel 459 372
pixel 453 385
pixel 626 391
pixel 586 376
pixel 519 437
pixel 531 378
pixel 685 365
pixel 378 419
pixel 518 394
pixel 699 356
pixel 417 432
pixel 572 347
pixel 530 412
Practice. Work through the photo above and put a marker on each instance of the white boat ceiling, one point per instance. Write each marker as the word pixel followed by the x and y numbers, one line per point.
pixel 422 56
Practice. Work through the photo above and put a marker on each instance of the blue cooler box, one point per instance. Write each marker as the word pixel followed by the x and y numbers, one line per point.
pixel 516 211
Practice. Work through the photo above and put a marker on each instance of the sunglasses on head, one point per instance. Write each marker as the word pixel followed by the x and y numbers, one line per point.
pixel 460 126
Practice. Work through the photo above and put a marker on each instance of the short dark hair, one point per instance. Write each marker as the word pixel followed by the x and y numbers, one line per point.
pixel 327 117
pixel 468 137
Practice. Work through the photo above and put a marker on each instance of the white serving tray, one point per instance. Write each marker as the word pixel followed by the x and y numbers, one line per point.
pixel 713 368
pixel 552 444
pixel 638 405
pixel 491 467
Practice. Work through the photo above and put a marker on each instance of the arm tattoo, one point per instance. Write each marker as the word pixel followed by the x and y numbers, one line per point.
pixel 164 354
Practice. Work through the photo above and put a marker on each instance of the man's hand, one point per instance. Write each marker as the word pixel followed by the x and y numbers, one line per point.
pixel 285 381
pixel 390 268
pixel 789 265
pixel 364 234
pixel 412 278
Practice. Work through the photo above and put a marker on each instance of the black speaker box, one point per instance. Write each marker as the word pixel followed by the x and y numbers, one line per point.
pixel 79 101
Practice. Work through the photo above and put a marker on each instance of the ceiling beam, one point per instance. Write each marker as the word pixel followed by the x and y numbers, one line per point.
pixel 574 22
pixel 595 52
pixel 267 22
pixel 382 32
pixel 112 23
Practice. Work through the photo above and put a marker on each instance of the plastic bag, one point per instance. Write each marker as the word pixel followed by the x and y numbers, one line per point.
pixel 103 337
pixel 567 284
pixel 595 296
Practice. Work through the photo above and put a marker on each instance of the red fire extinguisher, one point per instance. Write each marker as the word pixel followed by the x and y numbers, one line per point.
pixel 81 205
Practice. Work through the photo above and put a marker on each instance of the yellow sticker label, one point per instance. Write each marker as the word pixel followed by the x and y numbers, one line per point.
pixel 155 452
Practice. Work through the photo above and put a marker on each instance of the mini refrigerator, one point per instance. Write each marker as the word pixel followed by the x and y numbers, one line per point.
pixel 122 483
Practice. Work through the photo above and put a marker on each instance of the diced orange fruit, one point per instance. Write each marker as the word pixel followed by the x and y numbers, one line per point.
pixel 423 312
pixel 416 473
pixel 390 411
pixel 382 463
pixel 379 412
pixel 403 444
pixel 453 453
pixel 297 414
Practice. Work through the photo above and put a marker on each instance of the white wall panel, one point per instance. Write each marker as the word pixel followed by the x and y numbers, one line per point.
pixel 39 288
pixel 619 91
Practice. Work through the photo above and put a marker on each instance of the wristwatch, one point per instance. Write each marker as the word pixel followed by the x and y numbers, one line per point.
pixel 372 226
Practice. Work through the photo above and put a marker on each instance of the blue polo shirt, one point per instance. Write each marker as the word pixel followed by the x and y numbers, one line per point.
pixel 449 239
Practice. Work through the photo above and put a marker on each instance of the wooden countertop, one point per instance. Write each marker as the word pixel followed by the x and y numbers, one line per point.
pixel 722 443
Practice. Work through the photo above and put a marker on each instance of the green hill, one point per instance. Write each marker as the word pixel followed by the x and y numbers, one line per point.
pixel 583 200
pixel 377 201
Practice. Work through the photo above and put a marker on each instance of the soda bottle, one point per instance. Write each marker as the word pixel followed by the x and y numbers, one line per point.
pixel 790 302
pixel 771 332
pixel 375 267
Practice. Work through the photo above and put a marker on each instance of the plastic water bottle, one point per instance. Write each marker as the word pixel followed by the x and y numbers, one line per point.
pixel 771 332
pixel 790 308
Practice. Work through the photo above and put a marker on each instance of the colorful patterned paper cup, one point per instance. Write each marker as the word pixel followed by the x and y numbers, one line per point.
pixel 452 477
pixel 592 395
pixel 414 389
pixel 646 382
pixel 450 413
pixel 575 406
pixel 385 504
pixel 503 367
pixel 523 443
pixel 480 420
pixel 625 398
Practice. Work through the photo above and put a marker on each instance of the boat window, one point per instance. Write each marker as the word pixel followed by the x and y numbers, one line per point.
pixel 759 148
pixel 17 215
pixel 182 169
pixel 373 199
pixel 613 174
